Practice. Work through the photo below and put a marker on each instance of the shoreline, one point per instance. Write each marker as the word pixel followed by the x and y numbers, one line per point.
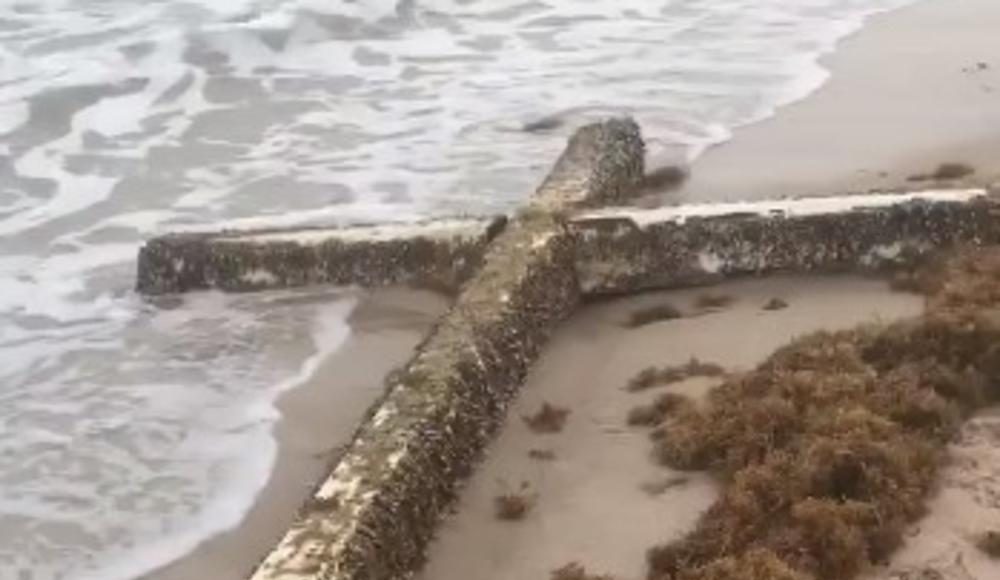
pixel 818 141
pixel 894 106
pixel 385 328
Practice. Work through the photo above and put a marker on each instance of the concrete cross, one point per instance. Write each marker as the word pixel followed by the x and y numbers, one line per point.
pixel 515 279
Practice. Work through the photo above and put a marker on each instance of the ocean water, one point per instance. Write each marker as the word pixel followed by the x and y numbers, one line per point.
pixel 130 429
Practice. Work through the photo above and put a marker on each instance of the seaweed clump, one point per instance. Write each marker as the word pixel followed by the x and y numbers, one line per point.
pixel 658 377
pixel 653 314
pixel 542 454
pixel 665 178
pixel 655 413
pixel 989 543
pixel 656 488
pixel 515 505
pixel 548 419
pixel 830 448
pixel 712 301
pixel 945 172
pixel 575 571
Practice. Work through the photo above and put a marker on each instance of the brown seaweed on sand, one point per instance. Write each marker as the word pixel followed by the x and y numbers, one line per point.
pixel 515 505
pixel 989 543
pixel 945 172
pixel 548 419
pixel 575 571
pixel 655 413
pixel 542 454
pixel 663 376
pixel 653 314
pixel 713 301
pixel 830 448
pixel 665 178
pixel 655 488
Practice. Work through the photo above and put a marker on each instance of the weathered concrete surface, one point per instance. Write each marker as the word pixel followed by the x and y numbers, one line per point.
pixel 372 518
pixel 620 250
pixel 602 164
pixel 440 254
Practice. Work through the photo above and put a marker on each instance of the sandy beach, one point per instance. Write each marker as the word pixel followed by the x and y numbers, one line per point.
pixel 592 502
pixel 916 88
pixel 318 418
pixel 966 504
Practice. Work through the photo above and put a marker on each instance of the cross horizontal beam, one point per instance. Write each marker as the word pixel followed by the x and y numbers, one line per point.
pixel 621 250
pixel 438 253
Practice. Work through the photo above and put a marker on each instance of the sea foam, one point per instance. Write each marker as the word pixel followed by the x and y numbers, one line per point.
pixel 130 433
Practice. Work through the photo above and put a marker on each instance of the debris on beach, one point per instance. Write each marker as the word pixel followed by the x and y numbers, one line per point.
pixel 831 447
pixel 663 376
pixel 651 377
pixel 775 304
pixel 754 565
pixel 543 125
pixel 945 172
pixel 548 419
pixel 656 412
pixel 542 454
pixel 653 314
pixel 980 66
pixel 575 571
pixel 711 301
pixel 989 543
pixel 514 506
pixel 665 178
pixel 656 488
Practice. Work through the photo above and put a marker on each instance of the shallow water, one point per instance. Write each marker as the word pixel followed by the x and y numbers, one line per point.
pixel 131 430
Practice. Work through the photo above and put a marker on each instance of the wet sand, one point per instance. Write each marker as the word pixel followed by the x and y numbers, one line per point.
pixel 915 88
pixel 594 502
pixel 318 418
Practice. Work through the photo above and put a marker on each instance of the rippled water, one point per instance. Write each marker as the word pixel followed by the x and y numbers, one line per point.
pixel 124 425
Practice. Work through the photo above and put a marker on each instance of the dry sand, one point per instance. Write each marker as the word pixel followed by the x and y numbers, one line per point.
pixel 906 94
pixel 318 418
pixel 592 502
pixel 942 545
pixel 917 87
